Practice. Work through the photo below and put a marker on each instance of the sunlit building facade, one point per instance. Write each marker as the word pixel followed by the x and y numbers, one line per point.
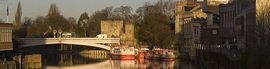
pixel 189 16
pixel 6 36
pixel 119 29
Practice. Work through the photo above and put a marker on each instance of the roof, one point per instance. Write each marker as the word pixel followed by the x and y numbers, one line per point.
pixel 6 25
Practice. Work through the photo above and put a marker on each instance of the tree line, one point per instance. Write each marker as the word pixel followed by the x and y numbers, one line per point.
pixel 153 23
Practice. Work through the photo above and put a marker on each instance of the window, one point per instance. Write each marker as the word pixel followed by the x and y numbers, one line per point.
pixel 214 31
pixel 196 32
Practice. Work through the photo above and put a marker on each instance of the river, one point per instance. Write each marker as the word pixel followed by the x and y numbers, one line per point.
pixel 71 60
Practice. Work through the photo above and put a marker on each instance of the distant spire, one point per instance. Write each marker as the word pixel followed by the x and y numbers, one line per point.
pixel 53 10
pixel 7 12
pixel 18 14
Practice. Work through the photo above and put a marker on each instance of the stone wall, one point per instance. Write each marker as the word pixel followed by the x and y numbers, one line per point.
pixel 113 28
pixel 119 29
pixel 128 35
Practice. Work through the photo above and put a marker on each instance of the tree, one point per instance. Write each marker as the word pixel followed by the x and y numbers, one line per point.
pixel 43 26
pixel 82 24
pixel 123 12
pixel 154 28
pixel 95 19
pixel 37 28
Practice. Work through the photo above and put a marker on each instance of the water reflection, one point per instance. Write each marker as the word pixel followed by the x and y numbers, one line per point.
pixel 67 60
pixel 5 64
pixel 32 61
pixel 100 59
pixel 111 64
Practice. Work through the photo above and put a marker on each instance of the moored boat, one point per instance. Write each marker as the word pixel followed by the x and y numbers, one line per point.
pixel 167 55
pixel 123 53
pixel 155 53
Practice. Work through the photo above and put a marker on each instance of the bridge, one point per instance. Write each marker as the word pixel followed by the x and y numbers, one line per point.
pixel 92 42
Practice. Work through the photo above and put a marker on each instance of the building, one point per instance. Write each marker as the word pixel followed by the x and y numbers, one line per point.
pixel 211 30
pixel 113 28
pixel 189 16
pixel 198 30
pixel 129 34
pixel 6 36
pixel 228 24
pixel 119 29
pixel 238 21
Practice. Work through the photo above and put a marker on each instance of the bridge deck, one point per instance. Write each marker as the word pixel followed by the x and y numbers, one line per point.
pixel 94 42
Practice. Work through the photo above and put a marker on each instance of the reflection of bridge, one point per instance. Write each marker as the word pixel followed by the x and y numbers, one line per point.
pixel 93 42
pixel 101 65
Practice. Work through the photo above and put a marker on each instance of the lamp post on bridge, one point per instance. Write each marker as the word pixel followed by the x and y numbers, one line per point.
pixel 60 33
pixel 59 37
pixel 54 33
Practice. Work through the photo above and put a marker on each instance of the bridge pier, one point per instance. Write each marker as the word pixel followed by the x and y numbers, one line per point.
pixel 66 47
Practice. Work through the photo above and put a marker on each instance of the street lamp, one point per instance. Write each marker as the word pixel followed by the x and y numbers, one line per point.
pixel 60 33
pixel 54 32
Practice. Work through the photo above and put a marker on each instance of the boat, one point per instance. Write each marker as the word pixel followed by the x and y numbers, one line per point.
pixel 142 53
pixel 123 53
pixel 155 53
pixel 167 55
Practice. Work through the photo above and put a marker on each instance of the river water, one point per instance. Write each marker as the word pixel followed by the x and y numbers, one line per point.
pixel 77 61
pixel 70 60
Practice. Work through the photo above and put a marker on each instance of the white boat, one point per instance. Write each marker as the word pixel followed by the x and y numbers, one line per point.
pixel 123 53
pixel 168 55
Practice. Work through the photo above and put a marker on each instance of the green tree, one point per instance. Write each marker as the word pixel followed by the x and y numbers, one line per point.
pixel 154 28
pixel 95 19
pixel 82 25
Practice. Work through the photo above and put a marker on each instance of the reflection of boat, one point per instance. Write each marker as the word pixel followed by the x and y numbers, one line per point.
pixel 167 65
pixel 167 55
pixel 124 53
pixel 141 55
pixel 123 64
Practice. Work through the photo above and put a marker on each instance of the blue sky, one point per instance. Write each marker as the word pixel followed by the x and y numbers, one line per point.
pixel 68 8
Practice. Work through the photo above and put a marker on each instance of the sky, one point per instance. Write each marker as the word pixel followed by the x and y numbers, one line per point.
pixel 68 8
